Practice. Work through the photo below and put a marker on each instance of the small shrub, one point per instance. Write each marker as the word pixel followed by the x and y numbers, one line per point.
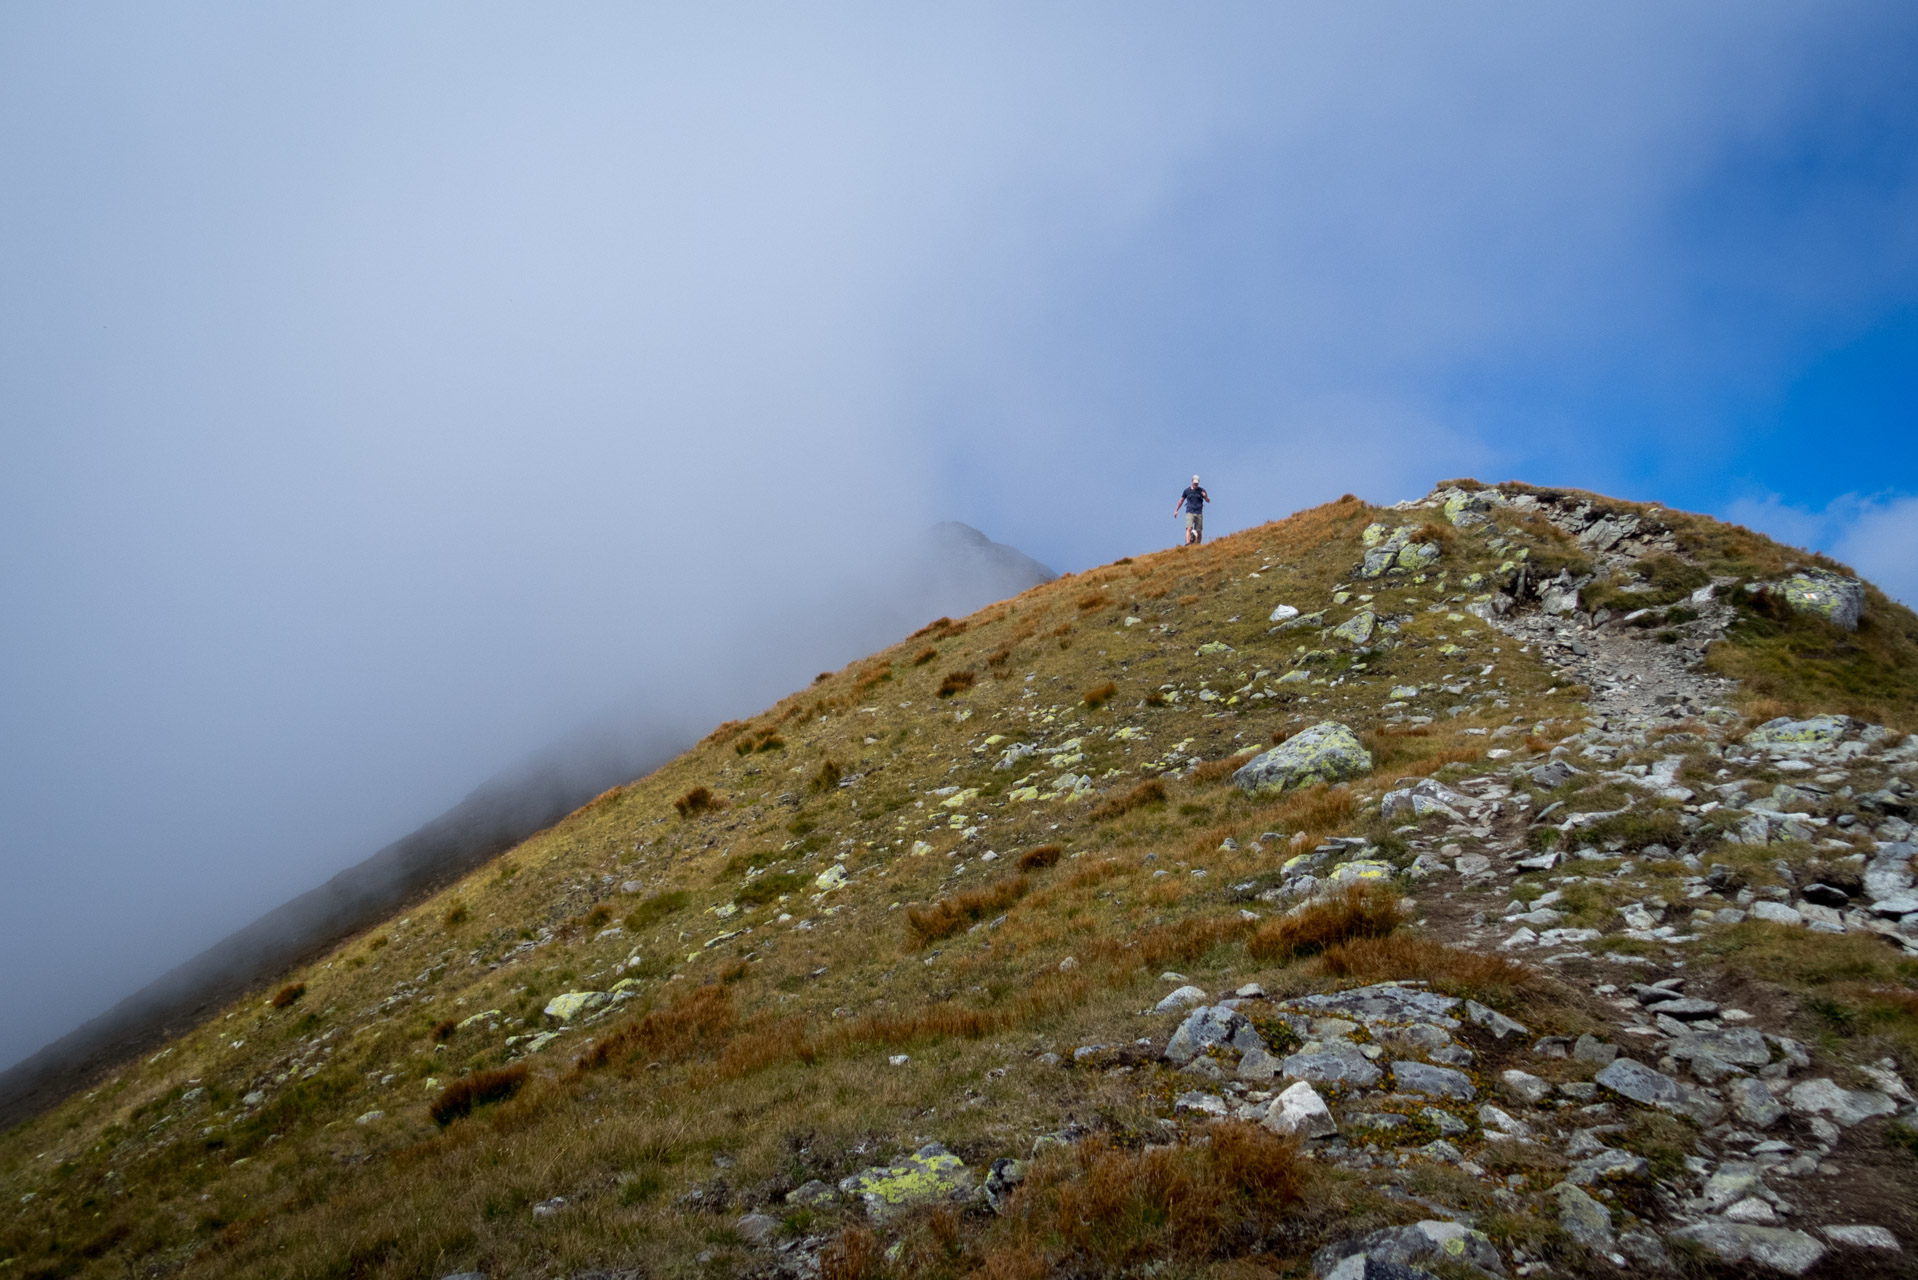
pixel 698 800
pixel 1188 600
pixel 598 918
pixel 480 1089
pixel 1155 699
pixel 1149 792
pixel 955 682
pixel 1362 910
pixel 854 1255
pixel 657 908
pixel 458 916
pixel 445 1030
pixel 1096 698
pixel 949 915
pixel 288 994
pixel 378 942
pixel 699 1021
pixel 827 779
pixel 1044 855
pixel 771 742
pixel 998 659
pixel 822 677
pixel 1094 601
pixel 924 656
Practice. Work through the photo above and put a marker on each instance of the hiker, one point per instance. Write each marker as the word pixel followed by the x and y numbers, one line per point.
pixel 1192 502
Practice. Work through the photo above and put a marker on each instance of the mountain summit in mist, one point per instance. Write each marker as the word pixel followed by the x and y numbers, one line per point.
pixel 1510 881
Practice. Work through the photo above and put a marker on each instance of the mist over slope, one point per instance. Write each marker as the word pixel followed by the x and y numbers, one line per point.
pixel 1511 875
pixel 951 568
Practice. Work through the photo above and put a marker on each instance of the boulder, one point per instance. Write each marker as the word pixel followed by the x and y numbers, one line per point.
pixel 1552 775
pixel 1864 1237
pixel 1650 1088
pixel 1811 731
pixel 1888 874
pixel 1832 596
pixel 1343 1065
pixel 1781 1249
pixel 1433 1082
pixel 1739 1046
pixel 931 1173
pixel 1207 1027
pixel 1754 1104
pixel 1325 752
pixel 1493 1021
pixel 1283 613
pixel 1300 1110
pixel 1259 1064
pixel 1428 795
pixel 566 1007
pixel 1585 1220
pixel 1846 1106
pixel 1358 628
pixel 1776 912
pixel 1416 1246
pixel 1606 1164
pixel 1186 997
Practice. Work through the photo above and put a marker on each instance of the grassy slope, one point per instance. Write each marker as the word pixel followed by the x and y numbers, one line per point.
pixel 750 1064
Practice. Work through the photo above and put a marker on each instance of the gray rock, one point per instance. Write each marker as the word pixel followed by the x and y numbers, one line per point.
pixel 1493 1021
pixel 1496 1120
pixel 1644 1250
pixel 1379 1003
pixel 1358 628
pixel 549 1208
pixel 1740 1046
pixel 1553 774
pixel 1300 1110
pixel 1433 1082
pixel 1651 1088
pixel 1776 912
pixel 1598 1053
pixel 1247 1038
pixel 1731 1182
pixel 1787 732
pixel 1325 752
pixel 1199 1100
pixel 1408 1247
pixel 1864 1237
pixel 1258 1064
pixel 1832 596
pixel 1605 1165
pixel 1846 1106
pixel 810 1195
pixel 1426 796
pixel 1888 874
pixel 1347 1066
pixel 1448 1125
pixel 1207 1027
pixel 1186 997
pixel 1687 1009
pixel 757 1228
pixel 1792 1252
pixel 1754 1104
pixel 1584 1219
pixel 465 1275
pixel 1523 1086
pixel 1001 1181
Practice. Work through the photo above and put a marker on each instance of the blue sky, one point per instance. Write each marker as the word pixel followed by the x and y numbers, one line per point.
pixel 386 389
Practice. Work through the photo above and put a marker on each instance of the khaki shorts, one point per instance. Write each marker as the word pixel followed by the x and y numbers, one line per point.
pixel 1195 521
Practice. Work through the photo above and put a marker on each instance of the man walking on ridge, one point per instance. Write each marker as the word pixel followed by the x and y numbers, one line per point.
pixel 1192 502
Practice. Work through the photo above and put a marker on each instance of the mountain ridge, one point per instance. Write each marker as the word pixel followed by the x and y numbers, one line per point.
pixel 1084 934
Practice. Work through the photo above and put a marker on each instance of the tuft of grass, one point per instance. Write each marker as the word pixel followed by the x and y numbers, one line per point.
pixel 956 682
pixel 1044 855
pixel 827 779
pixel 924 656
pixel 698 800
pixel 699 1022
pixel 457 916
pixel 596 919
pixel 288 994
pixel 769 887
pixel 657 908
pixel 445 1030
pixel 1361 910
pixel 1099 696
pixel 1149 792
pixel 949 915
pixel 1492 980
pixel 482 1088
pixel 854 1254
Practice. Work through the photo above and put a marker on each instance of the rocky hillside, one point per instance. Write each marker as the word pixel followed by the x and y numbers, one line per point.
pixel 1511 882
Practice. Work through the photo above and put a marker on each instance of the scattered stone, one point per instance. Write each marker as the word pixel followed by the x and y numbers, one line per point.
pixel 1338 1066
pixel 1325 752
pixel 1523 1086
pixel 1751 1209
pixel 810 1195
pixel 1598 1053
pixel 1584 1219
pixel 1406 1248
pixel 1199 1100
pixel 1846 1106
pixel 1754 1104
pixel 1426 796
pixel 1787 732
pixel 1651 1088
pixel 1183 998
pixel 1776 912
pixel 931 1173
pixel 565 1008
pixel 1207 1027
pixel 1300 1110
pixel 1864 1237
pixel 1003 1178
pixel 549 1208
pixel 1606 1164
pixel 1433 1082
pixel 757 1228
pixel 1259 1064
pixel 1493 1021
pixel 1792 1252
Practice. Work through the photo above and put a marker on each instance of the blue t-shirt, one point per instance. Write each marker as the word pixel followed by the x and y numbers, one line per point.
pixel 1195 499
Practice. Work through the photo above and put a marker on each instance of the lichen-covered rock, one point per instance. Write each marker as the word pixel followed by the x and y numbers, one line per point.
pixel 573 1003
pixel 1325 752
pixel 1395 552
pixel 1358 628
pixel 1811 731
pixel 1585 1220
pixel 928 1174
pixel 1416 1246
pixel 1832 596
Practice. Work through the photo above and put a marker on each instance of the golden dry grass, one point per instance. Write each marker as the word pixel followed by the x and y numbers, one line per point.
pixel 1362 910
